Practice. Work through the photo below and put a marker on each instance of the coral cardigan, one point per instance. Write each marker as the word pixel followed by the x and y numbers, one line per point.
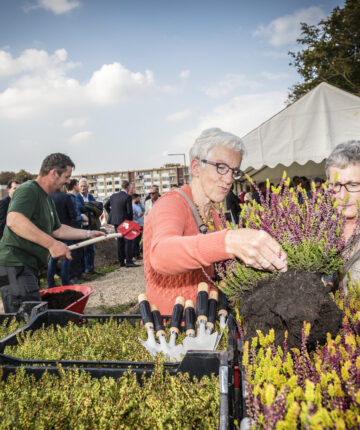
pixel 174 251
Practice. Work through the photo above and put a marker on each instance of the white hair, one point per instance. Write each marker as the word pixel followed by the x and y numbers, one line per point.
pixel 343 154
pixel 84 180
pixel 211 138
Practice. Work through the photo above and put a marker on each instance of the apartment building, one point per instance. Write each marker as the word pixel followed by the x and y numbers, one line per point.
pixel 102 185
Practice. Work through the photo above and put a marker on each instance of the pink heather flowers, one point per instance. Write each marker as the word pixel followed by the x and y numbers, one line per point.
pixel 306 224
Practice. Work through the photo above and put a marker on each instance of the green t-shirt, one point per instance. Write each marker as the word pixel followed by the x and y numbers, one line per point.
pixel 33 202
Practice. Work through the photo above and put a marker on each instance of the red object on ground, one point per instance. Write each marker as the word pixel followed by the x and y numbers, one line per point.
pixel 80 304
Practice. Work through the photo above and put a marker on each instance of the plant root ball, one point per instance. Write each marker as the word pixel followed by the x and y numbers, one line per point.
pixel 285 303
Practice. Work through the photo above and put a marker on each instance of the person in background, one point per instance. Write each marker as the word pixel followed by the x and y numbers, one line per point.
pixel 154 195
pixel 138 214
pixel 233 206
pixel 243 193
pixel 119 208
pixel 148 197
pixel 33 230
pixel 4 204
pixel 343 173
pixel 318 184
pixel 176 255
pixel 77 262
pixel 67 215
pixel 88 251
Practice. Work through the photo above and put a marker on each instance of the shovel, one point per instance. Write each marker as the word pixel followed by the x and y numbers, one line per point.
pixel 127 229
pixel 146 316
pixel 203 340
pixel 176 350
pixel 160 332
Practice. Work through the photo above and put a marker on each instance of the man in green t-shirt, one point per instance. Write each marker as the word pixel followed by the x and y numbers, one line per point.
pixel 33 231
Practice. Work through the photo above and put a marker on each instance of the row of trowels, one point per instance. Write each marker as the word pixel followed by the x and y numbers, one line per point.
pixel 199 325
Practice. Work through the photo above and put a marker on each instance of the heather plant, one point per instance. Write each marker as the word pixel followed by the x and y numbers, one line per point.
pixel 289 389
pixel 8 326
pixel 74 400
pixel 106 341
pixel 308 227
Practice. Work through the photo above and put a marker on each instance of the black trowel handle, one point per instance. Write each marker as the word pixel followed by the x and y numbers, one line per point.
pixel 158 321
pixel 202 301
pixel 213 299
pixel 177 314
pixel 223 305
pixel 146 315
pixel 189 318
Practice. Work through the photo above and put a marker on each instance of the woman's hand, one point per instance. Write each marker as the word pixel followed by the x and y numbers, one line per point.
pixel 256 248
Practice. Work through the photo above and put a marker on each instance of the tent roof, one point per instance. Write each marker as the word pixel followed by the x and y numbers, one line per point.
pixel 306 130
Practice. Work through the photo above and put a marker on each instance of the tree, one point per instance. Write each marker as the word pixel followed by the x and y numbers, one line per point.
pixel 5 177
pixel 23 176
pixel 331 53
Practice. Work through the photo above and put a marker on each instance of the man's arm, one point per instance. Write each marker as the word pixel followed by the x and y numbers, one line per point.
pixel 65 232
pixel 23 227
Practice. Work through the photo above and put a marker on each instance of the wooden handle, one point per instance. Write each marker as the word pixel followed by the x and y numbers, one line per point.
pixel 94 240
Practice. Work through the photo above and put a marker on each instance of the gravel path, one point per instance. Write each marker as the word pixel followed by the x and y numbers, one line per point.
pixel 119 287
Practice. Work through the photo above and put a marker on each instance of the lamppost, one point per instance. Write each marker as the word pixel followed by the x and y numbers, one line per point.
pixel 183 154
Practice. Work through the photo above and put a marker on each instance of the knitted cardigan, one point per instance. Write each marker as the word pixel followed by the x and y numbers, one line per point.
pixel 174 251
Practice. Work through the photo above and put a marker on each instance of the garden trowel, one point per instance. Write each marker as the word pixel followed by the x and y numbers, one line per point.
pixel 160 334
pixel 202 340
pixel 176 350
pixel 150 344
pixel 223 314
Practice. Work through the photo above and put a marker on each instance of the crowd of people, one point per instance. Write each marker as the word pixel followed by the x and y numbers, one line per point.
pixel 182 233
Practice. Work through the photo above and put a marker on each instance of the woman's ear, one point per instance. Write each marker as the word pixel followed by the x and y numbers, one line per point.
pixel 195 167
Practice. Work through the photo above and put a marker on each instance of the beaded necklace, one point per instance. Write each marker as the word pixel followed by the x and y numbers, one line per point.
pixel 210 221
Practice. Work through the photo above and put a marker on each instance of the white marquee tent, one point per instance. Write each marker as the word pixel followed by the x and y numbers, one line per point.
pixel 302 135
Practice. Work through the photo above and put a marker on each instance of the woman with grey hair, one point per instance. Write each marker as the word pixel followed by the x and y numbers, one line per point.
pixel 343 172
pixel 177 256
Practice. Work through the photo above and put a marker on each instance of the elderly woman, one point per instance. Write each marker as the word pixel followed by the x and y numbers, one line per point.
pixel 343 173
pixel 176 254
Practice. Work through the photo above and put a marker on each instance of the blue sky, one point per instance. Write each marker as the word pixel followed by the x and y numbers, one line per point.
pixel 116 84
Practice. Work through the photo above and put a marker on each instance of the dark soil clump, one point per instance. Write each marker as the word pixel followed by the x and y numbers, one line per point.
pixel 285 303
pixel 61 300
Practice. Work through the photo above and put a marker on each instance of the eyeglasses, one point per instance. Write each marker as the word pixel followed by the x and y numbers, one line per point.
pixel 223 168
pixel 351 187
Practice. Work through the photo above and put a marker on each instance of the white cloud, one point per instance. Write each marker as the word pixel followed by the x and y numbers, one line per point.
pixel 274 76
pixel 239 116
pixel 44 86
pixel 80 138
pixel 58 7
pixel 75 122
pixel 184 74
pixel 114 83
pixel 35 61
pixel 179 116
pixel 286 29
pixel 230 83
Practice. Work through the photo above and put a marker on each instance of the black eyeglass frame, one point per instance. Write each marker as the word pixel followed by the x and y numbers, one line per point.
pixel 235 176
pixel 338 185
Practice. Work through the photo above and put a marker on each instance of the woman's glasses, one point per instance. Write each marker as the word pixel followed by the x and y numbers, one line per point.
pixel 223 168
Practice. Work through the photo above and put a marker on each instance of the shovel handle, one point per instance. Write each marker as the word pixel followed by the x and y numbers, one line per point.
pixel 146 315
pixel 158 321
pixel 223 305
pixel 202 301
pixel 177 313
pixel 213 299
pixel 189 317
pixel 94 240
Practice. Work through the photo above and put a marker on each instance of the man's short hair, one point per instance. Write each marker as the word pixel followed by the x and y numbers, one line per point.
pixel 72 184
pixel 84 180
pixel 12 181
pixel 135 196
pixel 57 161
pixel 125 184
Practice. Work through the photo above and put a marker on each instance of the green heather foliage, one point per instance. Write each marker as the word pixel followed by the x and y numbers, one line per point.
pixel 292 388
pixel 307 226
pixel 107 341
pixel 8 326
pixel 76 401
